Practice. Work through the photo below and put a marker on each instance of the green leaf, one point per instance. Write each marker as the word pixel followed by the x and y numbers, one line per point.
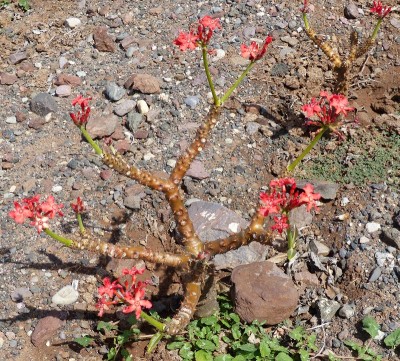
pixel 248 347
pixel 126 355
pixel 202 355
pixel 304 355
pixel 84 341
pixel 283 357
pixel 239 358
pixel 211 320
pixel 106 326
pixel 236 331
pixel 186 351
pixel 354 346
pixel 206 345
pixel 264 348
pixel 223 358
pixel 297 333
pixel 112 354
pixel 175 345
pixel 234 317
pixel 154 342
pixel 370 326
pixel 393 339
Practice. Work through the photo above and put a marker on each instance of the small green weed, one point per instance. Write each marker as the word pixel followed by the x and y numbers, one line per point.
pixel 24 5
pixel 365 158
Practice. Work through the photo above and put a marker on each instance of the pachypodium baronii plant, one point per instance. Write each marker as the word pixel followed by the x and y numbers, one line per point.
pixel 195 256
pixel 342 65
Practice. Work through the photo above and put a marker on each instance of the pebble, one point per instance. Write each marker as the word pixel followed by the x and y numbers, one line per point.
pixel 72 22
pixel 130 51
pixel 192 101
pixel 375 274
pixel 18 57
pixel 328 309
pixel 372 227
pixel 125 107
pixel 347 311
pixel 114 92
pixel 21 293
pixel 252 128
pixel 148 156
pixel 11 120
pixel 62 62
pixel 134 120
pixel 43 104
pixel 102 41
pixel 351 11
pixel 63 90
pixel 56 189
pixel 65 296
pixel 345 201
pixel 142 107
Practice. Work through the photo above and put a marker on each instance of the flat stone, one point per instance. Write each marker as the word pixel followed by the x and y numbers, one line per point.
pixel 192 101
pixel 103 41
pixel 63 91
pixel 132 202
pixel 347 311
pixel 7 79
pixel 45 329
pixel 68 79
pixel 128 41
pixel 72 22
pixel 114 92
pixel 36 123
pixel 102 126
pixel 20 294
pixel 306 278
pixel 391 236
pixel 375 274
pixel 125 107
pixel 263 292
pixel 327 309
pixel 144 83
pixel 142 107
pixel 11 120
pixel 197 170
pixel 17 57
pixel 65 296
pixel 351 11
pixel 328 190
pixel 212 220
pixel 300 217
pixel 289 40
pixel 134 120
pixel 43 104
pixel 372 227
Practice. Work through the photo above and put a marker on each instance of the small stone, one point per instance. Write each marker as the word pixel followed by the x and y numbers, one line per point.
pixel 65 296
pixel 114 92
pixel 375 274
pixel 148 156
pixel 7 79
pixel 102 126
pixel 36 123
pixel 252 128
pixel 145 83
pixel 17 57
pixel 134 120
pixel 364 240
pixel 21 117
pixel 43 104
pixel 45 329
pixel 351 11
pixel 68 79
pixel 347 311
pixel 142 107
pixel 132 202
pixel 56 189
pixel 103 41
pixel 72 22
pixel 20 294
pixel 128 41
pixel 372 227
pixel 300 217
pixel 263 292
pixel 63 91
pixel 197 170
pixel 192 101
pixel 290 40
pixel 11 120
pixel 106 174
pixel 328 309
pixel 391 236
pixel 125 107
pixel 327 190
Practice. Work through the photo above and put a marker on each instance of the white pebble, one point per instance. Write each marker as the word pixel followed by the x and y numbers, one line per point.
pixel 72 22
pixel 364 240
pixel 56 189
pixel 66 296
pixel 171 162
pixel 11 120
pixel 372 227
pixel 142 107
pixel 148 156
pixel 344 201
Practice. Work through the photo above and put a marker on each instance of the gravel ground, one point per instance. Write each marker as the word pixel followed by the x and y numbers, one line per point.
pixel 63 48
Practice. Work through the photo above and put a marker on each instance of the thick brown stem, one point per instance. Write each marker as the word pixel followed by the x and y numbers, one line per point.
pixel 190 301
pixel 254 232
pixel 143 253
pixel 185 160
pixel 325 47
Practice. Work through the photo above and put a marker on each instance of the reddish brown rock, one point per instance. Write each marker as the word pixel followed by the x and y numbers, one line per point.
pixel 145 83
pixel 263 292
pixel 103 126
pixel 45 329
pixel 21 117
pixel 7 79
pixel 106 174
pixel 68 79
pixel 36 123
pixel 122 146
pixel 197 170
pixel 103 41
pixel 127 42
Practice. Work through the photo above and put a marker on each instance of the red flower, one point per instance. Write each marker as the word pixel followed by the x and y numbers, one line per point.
pixel 81 117
pixel 40 223
pixel 271 204
pixel 136 302
pixel 209 22
pixel 186 41
pixel 339 102
pixel 133 271
pixel 78 207
pixel 309 197
pixel 109 288
pixel 312 108
pixel 380 10
pixel 305 8
pixel 19 213
pixel 253 52
pixel 281 223
pixel 50 208
pixel 103 304
pixel 80 100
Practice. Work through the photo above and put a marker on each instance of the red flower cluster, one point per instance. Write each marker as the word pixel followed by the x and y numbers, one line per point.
pixel 201 36
pixel 130 292
pixel 253 52
pixel 305 9
pixel 327 110
pixel 283 197
pixel 82 116
pixel 39 213
pixel 380 10
pixel 78 207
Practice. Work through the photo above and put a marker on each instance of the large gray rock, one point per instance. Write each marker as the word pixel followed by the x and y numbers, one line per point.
pixel 327 190
pixel 391 236
pixel 263 292
pixel 43 104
